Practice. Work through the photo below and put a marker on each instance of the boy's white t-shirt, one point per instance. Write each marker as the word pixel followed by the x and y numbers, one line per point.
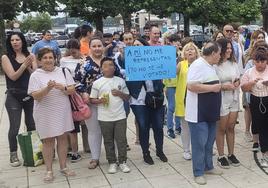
pixel 114 111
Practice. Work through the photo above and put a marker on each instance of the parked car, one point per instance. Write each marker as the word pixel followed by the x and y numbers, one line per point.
pixel 28 39
pixel 62 40
pixel 200 39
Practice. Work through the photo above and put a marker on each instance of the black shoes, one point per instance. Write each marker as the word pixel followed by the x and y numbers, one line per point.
pixel 162 156
pixel 148 159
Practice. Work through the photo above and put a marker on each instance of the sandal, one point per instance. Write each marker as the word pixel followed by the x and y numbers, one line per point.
pixel 67 172
pixel 93 164
pixel 48 177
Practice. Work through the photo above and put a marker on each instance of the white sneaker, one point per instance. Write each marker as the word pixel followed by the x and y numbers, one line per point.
pixel 112 168
pixel 214 171
pixel 200 180
pixel 248 137
pixel 187 155
pixel 124 167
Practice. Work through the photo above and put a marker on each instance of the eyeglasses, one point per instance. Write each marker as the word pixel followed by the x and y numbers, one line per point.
pixel 229 31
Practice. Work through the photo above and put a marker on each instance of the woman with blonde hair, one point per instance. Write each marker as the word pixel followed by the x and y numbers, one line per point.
pixel 255 37
pixel 190 53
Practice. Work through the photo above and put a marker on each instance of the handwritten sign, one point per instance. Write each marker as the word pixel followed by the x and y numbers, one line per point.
pixel 150 62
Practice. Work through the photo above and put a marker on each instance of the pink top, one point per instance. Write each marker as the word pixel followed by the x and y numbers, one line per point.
pixel 259 89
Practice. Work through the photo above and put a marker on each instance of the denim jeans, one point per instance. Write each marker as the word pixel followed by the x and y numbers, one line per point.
pixel 203 136
pixel 145 117
pixel 14 105
pixel 171 91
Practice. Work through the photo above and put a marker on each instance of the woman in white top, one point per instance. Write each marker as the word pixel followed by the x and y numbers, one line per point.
pixel 52 109
pixel 73 57
pixel 229 74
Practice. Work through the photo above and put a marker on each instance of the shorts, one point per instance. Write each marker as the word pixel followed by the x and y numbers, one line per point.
pixel 229 105
pixel 76 127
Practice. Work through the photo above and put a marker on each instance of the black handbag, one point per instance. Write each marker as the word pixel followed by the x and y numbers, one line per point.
pixel 154 99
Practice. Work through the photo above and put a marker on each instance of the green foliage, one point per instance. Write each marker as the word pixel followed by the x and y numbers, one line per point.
pixel 40 22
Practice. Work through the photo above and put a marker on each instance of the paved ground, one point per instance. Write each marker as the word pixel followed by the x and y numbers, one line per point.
pixel 176 173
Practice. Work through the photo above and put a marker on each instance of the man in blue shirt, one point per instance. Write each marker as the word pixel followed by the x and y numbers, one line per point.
pixel 48 43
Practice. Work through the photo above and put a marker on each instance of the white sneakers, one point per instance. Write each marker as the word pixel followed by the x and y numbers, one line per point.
pixel 187 155
pixel 200 180
pixel 113 168
pixel 124 168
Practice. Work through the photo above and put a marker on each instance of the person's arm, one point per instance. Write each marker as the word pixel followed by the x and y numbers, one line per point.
pixel 32 68
pixel 203 88
pixel 178 68
pixel 41 93
pixel 120 94
pixel 98 101
pixel 9 70
pixel 247 87
pixel 67 90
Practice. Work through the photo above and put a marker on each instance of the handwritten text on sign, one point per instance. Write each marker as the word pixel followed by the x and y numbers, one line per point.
pixel 150 62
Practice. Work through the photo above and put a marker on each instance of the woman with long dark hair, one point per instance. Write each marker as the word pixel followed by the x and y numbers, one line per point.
pixel 18 64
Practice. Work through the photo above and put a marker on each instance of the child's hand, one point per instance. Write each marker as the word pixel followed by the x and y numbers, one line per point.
pixel 116 92
pixel 103 101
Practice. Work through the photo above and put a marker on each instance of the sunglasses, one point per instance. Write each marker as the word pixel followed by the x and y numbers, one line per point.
pixel 229 31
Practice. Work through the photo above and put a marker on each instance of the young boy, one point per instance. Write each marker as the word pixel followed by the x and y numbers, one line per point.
pixel 109 93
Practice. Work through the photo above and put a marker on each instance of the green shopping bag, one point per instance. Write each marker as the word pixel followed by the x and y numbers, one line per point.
pixel 31 148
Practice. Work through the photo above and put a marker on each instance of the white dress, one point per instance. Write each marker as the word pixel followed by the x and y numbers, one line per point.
pixel 52 114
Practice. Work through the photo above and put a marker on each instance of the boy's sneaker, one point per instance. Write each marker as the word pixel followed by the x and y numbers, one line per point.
pixel 255 147
pixel 14 161
pixel 148 159
pixel 171 134
pixel 178 131
pixel 75 157
pixel 223 162
pixel 233 160
pixel 187 155
pixel 162 156
pixel 248 137
pixel 124 167
pixel 214 171
pixel 112 168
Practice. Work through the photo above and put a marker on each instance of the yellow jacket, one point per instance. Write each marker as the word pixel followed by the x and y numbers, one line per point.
pixel 181 89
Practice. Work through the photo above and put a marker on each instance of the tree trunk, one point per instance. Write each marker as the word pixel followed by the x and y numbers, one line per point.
pixel 127 21
pixel 265 19
pixel 2 37
pixel 186 22
pixel 99 23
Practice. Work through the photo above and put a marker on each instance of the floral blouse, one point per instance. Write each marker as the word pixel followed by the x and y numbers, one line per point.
pixel 86 74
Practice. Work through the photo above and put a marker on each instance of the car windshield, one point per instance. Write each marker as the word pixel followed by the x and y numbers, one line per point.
pixel 62 37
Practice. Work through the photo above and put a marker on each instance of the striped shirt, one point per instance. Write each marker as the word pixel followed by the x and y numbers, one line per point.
pixel 52 114
pixel 259 89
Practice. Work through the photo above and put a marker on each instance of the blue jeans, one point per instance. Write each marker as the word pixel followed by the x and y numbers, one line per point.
pixel 171 91
pixel 145 117
pixel 203 136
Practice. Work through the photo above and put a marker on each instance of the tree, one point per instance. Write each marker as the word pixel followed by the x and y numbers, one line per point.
pixel 42 21
pixel 90 10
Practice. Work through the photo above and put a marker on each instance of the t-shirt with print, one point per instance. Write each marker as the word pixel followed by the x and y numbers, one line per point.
pixel 102 87
pixel 202 107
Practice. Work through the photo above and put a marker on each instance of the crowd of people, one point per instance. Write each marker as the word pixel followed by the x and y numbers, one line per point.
pixel 201 105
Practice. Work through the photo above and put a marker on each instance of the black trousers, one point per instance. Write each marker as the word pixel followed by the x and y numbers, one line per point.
pixel 15 103
pixel 259 113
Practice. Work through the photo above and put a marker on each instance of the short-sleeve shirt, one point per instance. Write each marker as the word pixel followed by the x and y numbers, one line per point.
pixel 259 89
pixel 46 44
pixel 114 111
pixel 202 107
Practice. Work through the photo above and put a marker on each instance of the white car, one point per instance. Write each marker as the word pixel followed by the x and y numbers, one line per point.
pixel 62 40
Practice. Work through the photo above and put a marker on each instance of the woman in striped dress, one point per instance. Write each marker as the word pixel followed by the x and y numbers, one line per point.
pixel 52 110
